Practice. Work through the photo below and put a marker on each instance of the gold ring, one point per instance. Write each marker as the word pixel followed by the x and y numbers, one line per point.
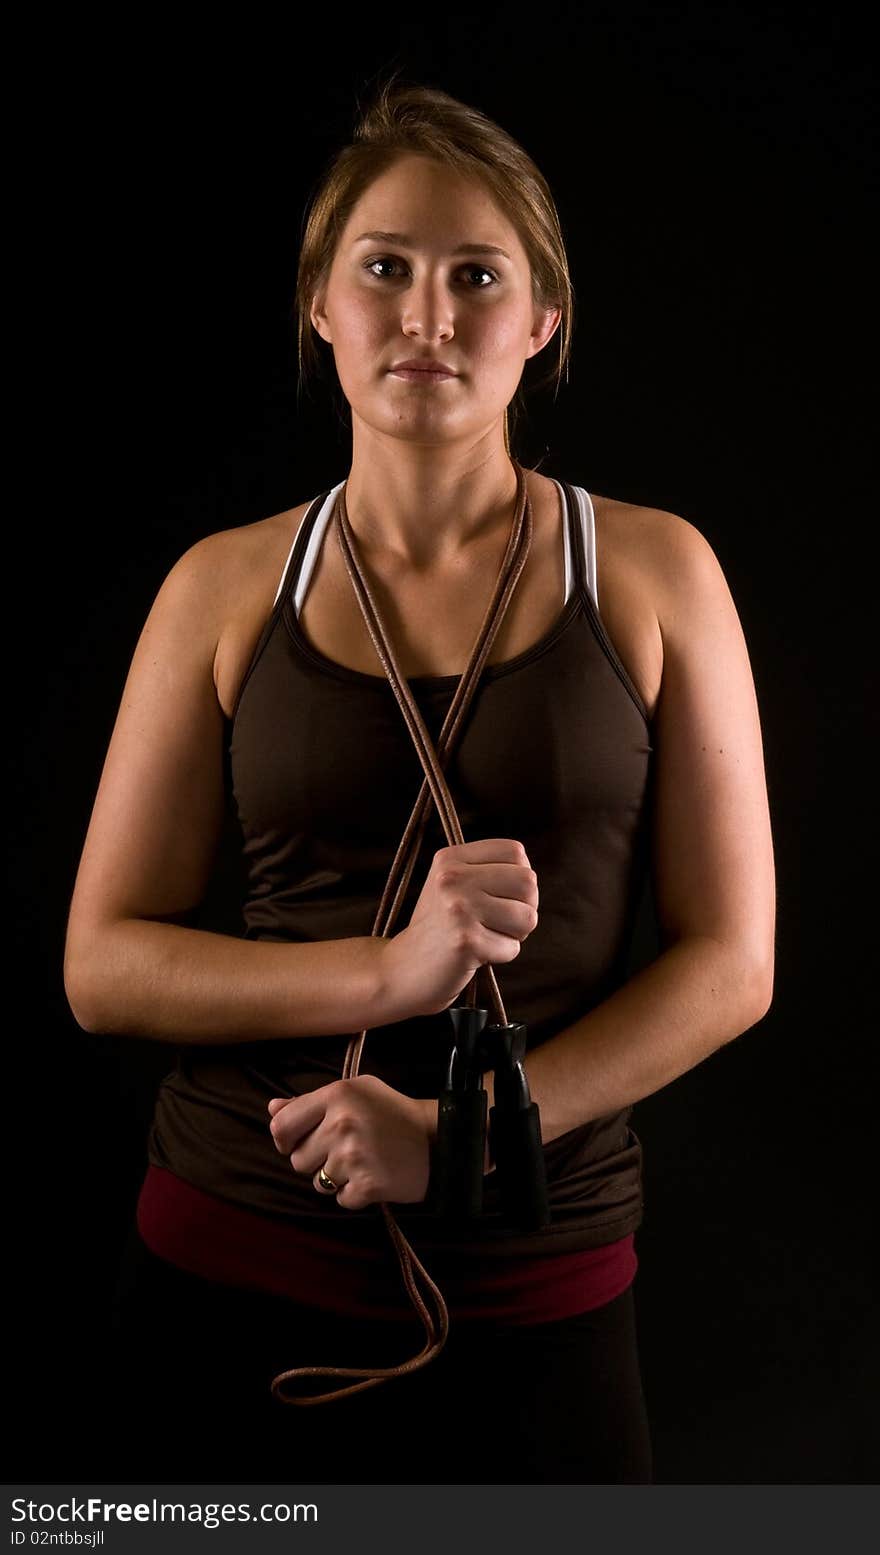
pixel 327 1183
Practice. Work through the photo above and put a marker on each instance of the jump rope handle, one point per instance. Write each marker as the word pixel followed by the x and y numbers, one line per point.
pixel 459 1151
pixel 514 1125
pixel 515 1133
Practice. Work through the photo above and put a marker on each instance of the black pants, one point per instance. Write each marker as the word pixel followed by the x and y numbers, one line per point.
pixel 192 1361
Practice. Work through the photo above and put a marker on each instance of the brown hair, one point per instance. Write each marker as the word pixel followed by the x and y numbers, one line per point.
pixel 410 118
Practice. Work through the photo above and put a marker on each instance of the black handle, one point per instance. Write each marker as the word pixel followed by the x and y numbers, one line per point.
pixel 515 1142
pixel 457 1165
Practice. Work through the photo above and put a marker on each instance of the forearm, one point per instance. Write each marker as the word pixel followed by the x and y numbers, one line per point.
pixel 171 983
pixel 666 1019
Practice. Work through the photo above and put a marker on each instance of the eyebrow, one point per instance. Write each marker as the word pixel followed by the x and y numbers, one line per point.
pixel 405 242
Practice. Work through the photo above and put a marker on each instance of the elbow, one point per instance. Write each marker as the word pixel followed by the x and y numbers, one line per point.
pixel 768 999
pixel 745 973
pixel 760 985
pixel 764 980
pixel 82 990
pixel 78 999
pixel 752 1000
pixel 748 979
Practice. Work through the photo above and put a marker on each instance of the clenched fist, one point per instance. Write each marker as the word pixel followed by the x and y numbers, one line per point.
pixel 479 902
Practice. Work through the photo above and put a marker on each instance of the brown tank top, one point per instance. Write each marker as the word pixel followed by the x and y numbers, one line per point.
pixel 322 778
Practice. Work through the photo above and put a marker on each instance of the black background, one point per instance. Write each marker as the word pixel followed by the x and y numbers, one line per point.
pixel 712 170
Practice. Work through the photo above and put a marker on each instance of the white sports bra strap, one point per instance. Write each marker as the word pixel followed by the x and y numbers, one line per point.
pixel 584 514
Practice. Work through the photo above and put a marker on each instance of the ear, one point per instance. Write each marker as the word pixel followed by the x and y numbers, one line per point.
pixel 545 324
pixel 319 318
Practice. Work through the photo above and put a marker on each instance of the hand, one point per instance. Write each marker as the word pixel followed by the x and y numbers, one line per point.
pixel 477 905
pixel 369 1138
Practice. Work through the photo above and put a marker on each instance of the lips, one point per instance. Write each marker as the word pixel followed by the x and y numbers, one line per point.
pixel 417 365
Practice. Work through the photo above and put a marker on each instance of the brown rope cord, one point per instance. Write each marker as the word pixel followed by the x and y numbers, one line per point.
pixel 432 762
pixel 433 788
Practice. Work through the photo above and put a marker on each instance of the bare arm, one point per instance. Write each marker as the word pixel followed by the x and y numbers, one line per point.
pixel 130 966
pixel 713 870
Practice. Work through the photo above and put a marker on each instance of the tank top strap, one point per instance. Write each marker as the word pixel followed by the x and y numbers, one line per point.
pixel 581 532
pixel 314 519
pixel 579 537
pixel 304 549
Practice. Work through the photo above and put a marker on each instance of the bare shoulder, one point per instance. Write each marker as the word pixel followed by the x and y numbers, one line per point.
pixel 644 535
pixel 231 563
pixel 239 571
pixel 214 601
pixel 667 554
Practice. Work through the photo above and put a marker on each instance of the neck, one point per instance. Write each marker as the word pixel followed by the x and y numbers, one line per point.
pixel 424 505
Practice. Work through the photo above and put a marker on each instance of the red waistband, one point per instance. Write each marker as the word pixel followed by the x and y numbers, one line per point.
pixel 225 1243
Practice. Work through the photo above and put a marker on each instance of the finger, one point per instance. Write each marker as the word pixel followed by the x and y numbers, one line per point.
pixel 310 1154
pixel 328 1193
pixel 298 1116
pixel 491 850
pixel 506 882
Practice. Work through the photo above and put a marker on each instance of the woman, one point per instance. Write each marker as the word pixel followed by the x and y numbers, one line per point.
pixel 432 269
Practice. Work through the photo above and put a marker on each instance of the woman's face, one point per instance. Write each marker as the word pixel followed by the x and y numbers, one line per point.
pixel 438 289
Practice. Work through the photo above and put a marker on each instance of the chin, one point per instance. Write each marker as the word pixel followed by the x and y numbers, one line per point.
pixel 421 426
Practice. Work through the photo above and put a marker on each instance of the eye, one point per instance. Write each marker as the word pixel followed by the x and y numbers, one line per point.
pixel 371 266
pixel 472 269
pixel 481 270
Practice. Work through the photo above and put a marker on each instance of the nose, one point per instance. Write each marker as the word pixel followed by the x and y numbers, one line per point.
pixel 427 311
